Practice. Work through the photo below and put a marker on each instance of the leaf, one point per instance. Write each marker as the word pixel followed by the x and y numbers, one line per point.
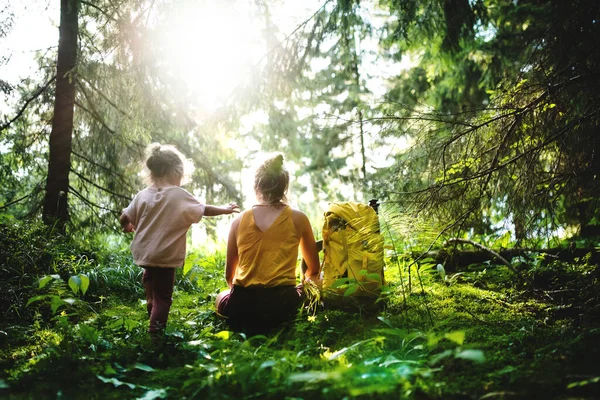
pixel 267 364
pixel 390 332
pixel 189 264
pixel 386 321
pixel 350 290
pixel 116 382
pixel 584 382
pixel 55 302
pixel 74 283
pixel 225 335
pixel 426 267
pixel 438 357
pixel 144 367
pixel 473 355
pixel 442 271
pixel 339 283
pixel 315 376
pixel 503 241
pixel 44 281
pixel 457 337
pixel 154 394
pixel 85 283
pixel 36 298
pixel 109 370
pixel 129 324
pixel 374 277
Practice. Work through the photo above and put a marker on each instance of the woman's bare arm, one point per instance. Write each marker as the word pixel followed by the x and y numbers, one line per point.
pixel 232 252
pixel 308 246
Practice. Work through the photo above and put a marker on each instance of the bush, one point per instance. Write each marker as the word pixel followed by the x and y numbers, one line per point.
pixel 29 250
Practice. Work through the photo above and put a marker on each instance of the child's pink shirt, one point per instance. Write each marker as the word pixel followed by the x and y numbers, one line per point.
pixel 162 217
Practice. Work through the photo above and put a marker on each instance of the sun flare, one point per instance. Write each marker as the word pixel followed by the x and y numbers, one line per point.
pixel 211 47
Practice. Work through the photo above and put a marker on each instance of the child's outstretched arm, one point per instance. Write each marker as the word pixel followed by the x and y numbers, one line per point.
pixel 211 211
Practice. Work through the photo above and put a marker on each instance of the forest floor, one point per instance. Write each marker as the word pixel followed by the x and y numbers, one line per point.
pixel 476 335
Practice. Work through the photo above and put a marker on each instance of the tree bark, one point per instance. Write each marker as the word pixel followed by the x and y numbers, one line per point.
pixel 55 212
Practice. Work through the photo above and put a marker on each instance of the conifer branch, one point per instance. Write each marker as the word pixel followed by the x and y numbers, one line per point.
pixel 27 102
pixel 85 179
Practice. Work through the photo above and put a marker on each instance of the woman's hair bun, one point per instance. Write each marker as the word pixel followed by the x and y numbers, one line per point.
pixel 275 164
pixel 271 180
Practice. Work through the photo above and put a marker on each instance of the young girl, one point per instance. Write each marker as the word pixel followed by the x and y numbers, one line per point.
pixel 160 216
pixel 262 254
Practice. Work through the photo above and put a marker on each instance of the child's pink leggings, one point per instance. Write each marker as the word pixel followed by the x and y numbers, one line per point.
pixel 158 283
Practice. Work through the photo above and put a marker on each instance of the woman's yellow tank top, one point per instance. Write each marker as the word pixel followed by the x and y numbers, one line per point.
pixel 267 258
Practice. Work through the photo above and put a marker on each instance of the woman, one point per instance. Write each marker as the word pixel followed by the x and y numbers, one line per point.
pixel 262 253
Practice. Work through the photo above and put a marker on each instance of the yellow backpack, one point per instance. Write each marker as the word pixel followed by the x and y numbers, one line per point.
pixel 353 252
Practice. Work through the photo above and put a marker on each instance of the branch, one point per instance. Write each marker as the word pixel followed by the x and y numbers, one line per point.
pixel 107 15
pixel 482 247
pixel 120 176
pixel 29 100
pixel 90 203
pixel 14 201
pixel 498 167
pixel 83 178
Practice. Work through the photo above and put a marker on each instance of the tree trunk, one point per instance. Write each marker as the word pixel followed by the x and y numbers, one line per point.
pixel 55 211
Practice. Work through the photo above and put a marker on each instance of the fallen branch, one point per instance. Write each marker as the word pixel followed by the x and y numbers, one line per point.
pixel 482 247
pixel 454 259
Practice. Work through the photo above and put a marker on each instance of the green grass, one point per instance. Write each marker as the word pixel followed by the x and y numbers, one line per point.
pixel 479 337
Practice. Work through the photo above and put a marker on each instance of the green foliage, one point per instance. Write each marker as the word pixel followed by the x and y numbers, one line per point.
pixel 28 251
pixel 474 337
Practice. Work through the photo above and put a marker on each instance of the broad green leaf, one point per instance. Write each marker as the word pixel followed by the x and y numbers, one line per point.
pixel 374 277
pixel 457 337
pixel 144 367
pixel 225 335
pixel 129 324
pixel 36 298
pixel 154 394
pixel 85 283
pixel 116 382
pixel 473 355
pixel 339 283
pixel 503 241
pixel 189 264
pixel 438 357
pixel 442 271
pixel 350 290
pixel 55 302
pixel 267 364
pixel 74 283
pixel 109 370
pixel 44 281
pixel 426 267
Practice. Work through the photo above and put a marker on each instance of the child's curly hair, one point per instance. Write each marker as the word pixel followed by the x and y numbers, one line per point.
pixel 271 180
pixel 163 160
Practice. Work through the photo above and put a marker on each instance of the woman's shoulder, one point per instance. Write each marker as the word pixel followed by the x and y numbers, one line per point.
pixel 300 219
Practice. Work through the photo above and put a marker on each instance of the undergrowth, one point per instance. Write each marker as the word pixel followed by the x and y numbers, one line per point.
pixel 476 335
